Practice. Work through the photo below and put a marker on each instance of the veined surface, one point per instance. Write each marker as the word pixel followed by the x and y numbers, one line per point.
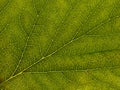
pixel 59 44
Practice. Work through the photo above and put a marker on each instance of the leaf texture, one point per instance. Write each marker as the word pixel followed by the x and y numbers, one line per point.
pixel 59 44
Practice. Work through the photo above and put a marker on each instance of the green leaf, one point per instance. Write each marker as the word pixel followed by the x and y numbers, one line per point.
pixel 59 44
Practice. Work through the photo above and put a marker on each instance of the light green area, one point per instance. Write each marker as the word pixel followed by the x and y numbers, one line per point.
pixel 59 45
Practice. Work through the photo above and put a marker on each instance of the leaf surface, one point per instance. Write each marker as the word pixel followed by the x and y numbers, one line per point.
pixel 59 45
